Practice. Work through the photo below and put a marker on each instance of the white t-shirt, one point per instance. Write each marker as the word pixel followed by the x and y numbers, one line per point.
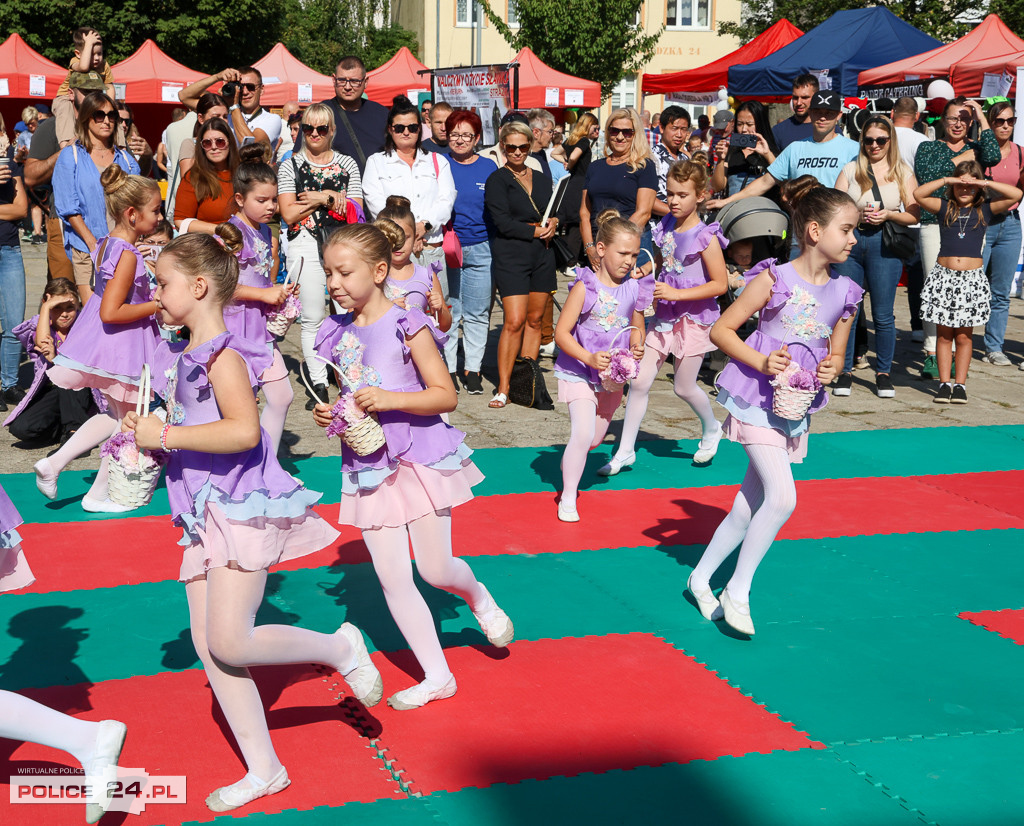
pixel 908 140
pixel 286 141
pixel 268 122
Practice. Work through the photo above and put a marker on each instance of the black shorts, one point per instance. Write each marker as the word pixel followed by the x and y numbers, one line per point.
pixel 522 267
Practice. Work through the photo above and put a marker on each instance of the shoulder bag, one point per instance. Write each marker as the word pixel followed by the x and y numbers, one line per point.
pixel 450 242
pixel 897 239
pixel 526 385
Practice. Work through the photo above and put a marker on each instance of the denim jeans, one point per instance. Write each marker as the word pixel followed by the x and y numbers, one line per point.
pixel 878 271
pixel 1001 253
pixel 470 289
pixel 12 313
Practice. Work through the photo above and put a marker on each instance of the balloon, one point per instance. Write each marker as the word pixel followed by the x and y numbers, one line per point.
pixel 941 89
pixel 723 94
pixel 732 102
pixel 723 106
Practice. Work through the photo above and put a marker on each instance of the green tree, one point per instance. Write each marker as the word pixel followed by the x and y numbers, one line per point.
pixel 1011 12
pixel 594 39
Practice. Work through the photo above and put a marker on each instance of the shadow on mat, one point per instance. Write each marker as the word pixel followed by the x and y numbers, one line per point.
pixel 697 524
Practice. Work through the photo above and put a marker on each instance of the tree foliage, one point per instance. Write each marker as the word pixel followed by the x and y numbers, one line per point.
pixel 943 20
pixel 593 39
pixel 1011 12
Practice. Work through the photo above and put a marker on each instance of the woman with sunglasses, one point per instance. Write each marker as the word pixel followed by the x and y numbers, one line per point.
pixel 1003 237
pixel 206 196
pixel 625 179
pixel 882 186
pixel 522 262
pixel 211 106
pixel 314 182
pixel 77 191
pixel 938 159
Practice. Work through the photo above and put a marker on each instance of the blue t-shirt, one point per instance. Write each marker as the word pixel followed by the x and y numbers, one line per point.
pixel 469 215
pixel 615 187
pixel 789 131
pixel 823 160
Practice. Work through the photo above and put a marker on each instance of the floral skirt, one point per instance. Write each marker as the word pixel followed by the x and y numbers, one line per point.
pixel 956 298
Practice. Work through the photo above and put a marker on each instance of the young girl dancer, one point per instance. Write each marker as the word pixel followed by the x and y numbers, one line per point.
pixel 804 317
pixel 407 488
pixel 96 746
pixel 597 314
pixel 114 336
pixel 48 412
pixel 693 274
pixel 239 511
pixel 256 197
pixel 956 294
pixel 411 285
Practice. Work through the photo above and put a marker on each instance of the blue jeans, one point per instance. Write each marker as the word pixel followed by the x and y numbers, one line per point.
pixel 878 270
pixel 1001 253
pixel 470 296
pixel 12 313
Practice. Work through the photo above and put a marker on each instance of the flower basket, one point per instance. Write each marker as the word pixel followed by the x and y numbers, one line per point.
pixel 361 431
pixel 279 321
pixel 134 473
pixel 621 368
pixel 795 391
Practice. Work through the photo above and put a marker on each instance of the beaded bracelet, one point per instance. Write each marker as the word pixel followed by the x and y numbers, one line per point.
pixel 163 437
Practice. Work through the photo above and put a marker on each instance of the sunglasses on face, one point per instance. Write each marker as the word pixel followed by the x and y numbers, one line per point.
pixel 215 143
pixel 402 128
pixel 321 130
pixel 1004 121
pixel 876 141
pixel 105 114
pixel 248 87
pixel 516 147
pixel 616 132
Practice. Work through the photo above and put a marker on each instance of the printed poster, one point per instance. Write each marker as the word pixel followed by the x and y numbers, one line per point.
pixel 484 89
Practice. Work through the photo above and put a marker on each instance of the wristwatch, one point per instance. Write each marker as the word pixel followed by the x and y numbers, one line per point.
pixel 232 107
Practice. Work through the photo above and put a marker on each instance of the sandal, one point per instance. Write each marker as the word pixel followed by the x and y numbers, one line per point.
pixel 499 401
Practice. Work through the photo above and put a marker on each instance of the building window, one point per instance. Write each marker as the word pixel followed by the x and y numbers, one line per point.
pixel 624 93
pixel 513 14
pixel 467 14
pixel 688 14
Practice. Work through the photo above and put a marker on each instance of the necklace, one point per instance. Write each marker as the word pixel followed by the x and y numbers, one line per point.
pixel 961 221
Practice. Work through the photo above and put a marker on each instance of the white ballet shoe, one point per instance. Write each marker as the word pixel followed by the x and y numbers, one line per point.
pixel 737 614
pixel 566 514
pixel 615 464
pixel 244 791
pixel 419 695
pixel 46 479
pixel 90 505
pixel 109 742
pixel 710 607
pixel 495 624
pixel 707 448
pixel 364 680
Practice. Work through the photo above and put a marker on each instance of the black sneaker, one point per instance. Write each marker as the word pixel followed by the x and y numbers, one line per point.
pixel 843 385
pixel 883 386
pixel 323 395
pixel 473 383
pixel 455 381
pixel 944 394
pixel 38 240
pixel 13 395
pixel 959 394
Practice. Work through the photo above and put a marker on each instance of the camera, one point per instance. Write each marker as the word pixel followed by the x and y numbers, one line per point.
pixel 229 91
pixel 743 141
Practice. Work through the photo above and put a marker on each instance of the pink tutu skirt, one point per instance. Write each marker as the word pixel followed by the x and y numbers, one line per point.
pixel 14 570
pixel 71 379
pixel 411 492
pixel 607 401
pixel 253 545
pixel 686 338
pixel 752 434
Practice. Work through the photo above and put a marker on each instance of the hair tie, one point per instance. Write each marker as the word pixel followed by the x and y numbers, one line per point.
pixel 219 240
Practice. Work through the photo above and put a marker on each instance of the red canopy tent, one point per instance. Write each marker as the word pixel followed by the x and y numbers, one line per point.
pixel 987 48
pixel 399 76
pixel 540 86
pixel 287 78
pixel 24 73
pixel 705 81
pixel 149 75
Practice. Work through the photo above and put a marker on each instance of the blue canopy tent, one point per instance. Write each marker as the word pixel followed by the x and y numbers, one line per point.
pixel 843 46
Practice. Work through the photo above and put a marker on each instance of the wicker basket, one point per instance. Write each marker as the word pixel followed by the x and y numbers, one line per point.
pixel 792 403
pixel 278 324
pixel 133 487
pixel 365 436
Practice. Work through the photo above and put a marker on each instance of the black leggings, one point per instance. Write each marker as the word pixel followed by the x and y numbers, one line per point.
pixel 52 412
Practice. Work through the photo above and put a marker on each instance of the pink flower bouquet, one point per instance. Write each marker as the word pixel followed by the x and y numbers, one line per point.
pixel 122 449
pixel 622 368
pixel 357 428
pixel 795 389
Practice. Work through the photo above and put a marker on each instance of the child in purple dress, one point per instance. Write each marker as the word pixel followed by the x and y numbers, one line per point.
pixel 805 311
pixel 115 334
pixel 406 489
pixel 96 746
pixel 239 511
pixel 596 318
pixel 256 197
pixel 693 275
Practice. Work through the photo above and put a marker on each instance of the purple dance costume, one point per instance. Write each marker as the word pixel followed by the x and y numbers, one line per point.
pixel 239 510
pixel 604 317
pixel 424 466
pixel 248 319
pixel 801 315
pixel 109 357
pixel 14 570
pixel 683 328
pixel 414 289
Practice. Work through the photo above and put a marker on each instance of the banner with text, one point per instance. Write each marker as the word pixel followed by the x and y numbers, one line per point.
pixel 484 89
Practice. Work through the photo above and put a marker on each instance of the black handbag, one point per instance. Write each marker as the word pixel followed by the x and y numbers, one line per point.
pixel 563 255
pixel 526 385
pixel 897 239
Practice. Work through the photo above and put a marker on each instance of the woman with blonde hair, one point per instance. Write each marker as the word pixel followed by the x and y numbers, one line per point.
pixel 883 187
pixel 579 152
pixel 314 183
pixel 625 179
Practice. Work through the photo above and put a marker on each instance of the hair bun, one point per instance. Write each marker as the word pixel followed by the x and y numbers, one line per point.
pixel 392 231
pixel 401 100
pixel 113 178
pixel 252 153
pixel 231 236
pixel 397 202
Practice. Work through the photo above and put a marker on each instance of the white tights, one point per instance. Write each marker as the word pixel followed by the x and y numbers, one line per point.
pixel 431 537
pixel 765 502
pixel 587 431
pixel 31 722
pixel 222 610
pixel 93 432
pixel 278 395
pixel 685 386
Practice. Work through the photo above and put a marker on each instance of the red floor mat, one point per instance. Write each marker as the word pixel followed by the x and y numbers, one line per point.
pixel 145 550
pixel 172 731
pixel 563 707
pixel 1008 623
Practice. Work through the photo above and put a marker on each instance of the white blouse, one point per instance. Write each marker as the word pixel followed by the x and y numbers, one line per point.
pixel 431 193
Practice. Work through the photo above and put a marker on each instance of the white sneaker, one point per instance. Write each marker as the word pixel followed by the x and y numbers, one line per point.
pixel 548 351
pixel 708 447
pixel 90 505
pixel 566 514
pixel 244 791
pixel 494 622
pixel 615 464
pixel 737 614
pixel 364 679
pixel 997 359
pixel 46 479
pixel 419 695
pixel 109 742
pixel 710 607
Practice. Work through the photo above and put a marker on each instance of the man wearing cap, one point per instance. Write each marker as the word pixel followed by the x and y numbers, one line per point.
pixel 797 127
pixel 823 155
